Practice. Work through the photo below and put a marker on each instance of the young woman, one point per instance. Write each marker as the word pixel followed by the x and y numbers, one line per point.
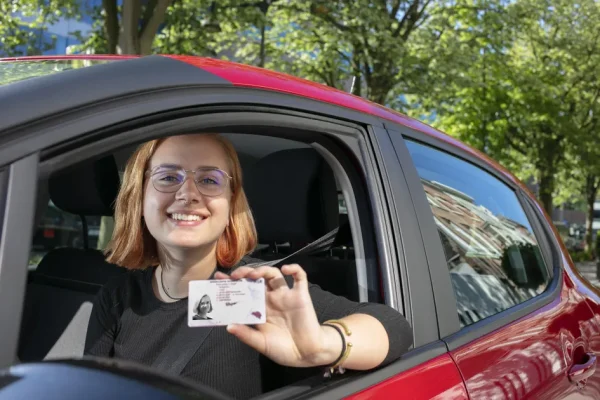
pixel 182 215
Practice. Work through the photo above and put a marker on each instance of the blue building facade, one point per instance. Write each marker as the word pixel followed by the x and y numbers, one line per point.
pixel 64 29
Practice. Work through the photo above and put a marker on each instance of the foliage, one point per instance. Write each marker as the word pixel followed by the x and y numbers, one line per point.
pixel 24 22
pixel 581 256
pixel 517 79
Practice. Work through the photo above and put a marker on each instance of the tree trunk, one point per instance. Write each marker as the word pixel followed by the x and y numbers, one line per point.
pixel 128 35
pixel 262 55
pixel 132 38
pixel 546 190
pixel 591 190
pixel 111 25
pixel 153 18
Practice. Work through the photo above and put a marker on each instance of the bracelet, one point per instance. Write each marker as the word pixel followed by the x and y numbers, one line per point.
pixel 346 347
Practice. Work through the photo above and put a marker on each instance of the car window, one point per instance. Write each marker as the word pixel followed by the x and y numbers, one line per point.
pixel 491 251
pixel 11 72
pixel 59 228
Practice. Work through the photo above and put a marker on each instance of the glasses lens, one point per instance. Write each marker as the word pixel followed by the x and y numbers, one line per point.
pixel 168 179
pixel 211 182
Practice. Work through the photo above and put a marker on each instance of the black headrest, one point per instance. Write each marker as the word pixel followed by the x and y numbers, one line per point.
pixel 293 196
pixel 89 188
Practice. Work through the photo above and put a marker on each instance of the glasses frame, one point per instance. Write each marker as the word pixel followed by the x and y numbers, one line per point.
pixel 151 172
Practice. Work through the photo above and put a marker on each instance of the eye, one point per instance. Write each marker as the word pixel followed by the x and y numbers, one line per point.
pixel 208 181
pixel 169 178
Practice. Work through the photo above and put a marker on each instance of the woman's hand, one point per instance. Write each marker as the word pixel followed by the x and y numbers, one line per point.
pixel 292 335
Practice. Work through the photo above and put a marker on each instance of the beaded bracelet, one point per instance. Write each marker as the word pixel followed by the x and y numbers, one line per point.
pixel 346 347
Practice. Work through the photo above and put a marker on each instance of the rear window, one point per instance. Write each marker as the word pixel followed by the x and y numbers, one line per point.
pixel 14 71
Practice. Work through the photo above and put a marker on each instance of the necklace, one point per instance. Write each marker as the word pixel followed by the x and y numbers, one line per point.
pixel 162 283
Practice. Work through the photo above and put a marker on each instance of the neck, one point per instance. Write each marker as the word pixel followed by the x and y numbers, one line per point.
pixel 178 268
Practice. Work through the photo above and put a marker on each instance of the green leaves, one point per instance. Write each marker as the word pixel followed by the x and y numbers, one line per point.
pixel 517 79
pixel 23 23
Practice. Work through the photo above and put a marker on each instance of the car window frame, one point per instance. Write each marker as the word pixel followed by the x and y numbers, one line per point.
pixel 361 152
pixel 446 307
pixel 18 190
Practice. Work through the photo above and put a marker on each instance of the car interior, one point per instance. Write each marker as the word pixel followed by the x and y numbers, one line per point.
pixel 293 194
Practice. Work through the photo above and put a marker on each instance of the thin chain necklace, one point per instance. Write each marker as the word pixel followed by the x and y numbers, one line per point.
pixel 162 283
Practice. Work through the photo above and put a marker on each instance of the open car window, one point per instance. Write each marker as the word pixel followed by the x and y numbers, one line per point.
pixel 294 196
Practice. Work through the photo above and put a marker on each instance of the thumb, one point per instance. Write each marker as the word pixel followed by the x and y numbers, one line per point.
pixel 252 337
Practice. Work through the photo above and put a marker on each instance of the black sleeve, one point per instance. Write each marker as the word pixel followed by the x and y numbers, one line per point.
pixel 329 306
pixel 103 322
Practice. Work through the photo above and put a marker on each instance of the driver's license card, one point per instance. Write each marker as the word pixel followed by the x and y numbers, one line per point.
pixel 223 301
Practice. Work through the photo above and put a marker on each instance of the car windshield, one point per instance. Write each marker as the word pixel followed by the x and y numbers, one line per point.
pixel 13 71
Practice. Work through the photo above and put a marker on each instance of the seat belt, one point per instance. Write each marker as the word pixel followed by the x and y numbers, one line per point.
pixel 181 349
pixel 321 244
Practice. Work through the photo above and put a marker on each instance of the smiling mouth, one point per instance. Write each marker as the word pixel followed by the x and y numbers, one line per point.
pixel 186 217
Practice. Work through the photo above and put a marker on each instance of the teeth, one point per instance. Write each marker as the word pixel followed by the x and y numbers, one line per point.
pixel 185 217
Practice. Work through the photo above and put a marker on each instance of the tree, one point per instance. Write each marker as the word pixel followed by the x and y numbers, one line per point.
pixel 127 29
pixel 512 89
pixel 372 37
pixel 24 22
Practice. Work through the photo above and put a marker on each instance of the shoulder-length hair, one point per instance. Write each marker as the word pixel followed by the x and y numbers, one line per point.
pixel 132 246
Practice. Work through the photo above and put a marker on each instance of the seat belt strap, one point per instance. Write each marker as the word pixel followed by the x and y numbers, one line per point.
pixel 321 244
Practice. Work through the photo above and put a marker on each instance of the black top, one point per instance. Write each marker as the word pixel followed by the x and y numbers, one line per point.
pixel 129 322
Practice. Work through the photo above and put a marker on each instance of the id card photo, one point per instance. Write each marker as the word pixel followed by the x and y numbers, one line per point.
pixel 221 302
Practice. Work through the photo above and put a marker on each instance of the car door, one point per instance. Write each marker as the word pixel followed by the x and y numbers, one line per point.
pixel 169 95
pixel 516 326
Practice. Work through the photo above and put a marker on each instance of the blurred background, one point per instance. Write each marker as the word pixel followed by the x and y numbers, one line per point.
pixel 518 80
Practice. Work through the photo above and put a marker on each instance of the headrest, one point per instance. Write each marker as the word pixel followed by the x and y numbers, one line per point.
pixel 89 188
pixel 293 196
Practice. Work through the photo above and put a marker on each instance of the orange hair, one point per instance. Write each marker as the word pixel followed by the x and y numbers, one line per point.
pixel 132 246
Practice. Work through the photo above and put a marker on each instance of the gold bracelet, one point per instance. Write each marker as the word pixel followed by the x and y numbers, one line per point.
pixel 337 367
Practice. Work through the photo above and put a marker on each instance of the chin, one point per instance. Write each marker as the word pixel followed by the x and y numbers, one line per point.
pixel 187 242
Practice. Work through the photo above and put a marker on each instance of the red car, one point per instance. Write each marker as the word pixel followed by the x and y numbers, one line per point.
pixel 421 221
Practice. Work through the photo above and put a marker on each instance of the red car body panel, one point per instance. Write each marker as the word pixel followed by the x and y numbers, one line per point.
pixel 527 359
pixel 437 379
pixel 530 358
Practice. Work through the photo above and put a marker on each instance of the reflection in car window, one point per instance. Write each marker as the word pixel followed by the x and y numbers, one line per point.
pixel 492 254
pixel 17 71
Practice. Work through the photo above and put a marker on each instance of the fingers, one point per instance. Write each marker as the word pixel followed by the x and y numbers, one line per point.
pixel 221 275
pixel 299 275
pixel 271 275
pixel 252 337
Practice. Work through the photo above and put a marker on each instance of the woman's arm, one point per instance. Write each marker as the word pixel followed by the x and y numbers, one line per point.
pixel 294 335
pixel 368 338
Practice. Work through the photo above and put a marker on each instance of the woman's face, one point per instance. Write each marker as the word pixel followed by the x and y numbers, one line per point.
pixel 186 218
pixel 204 305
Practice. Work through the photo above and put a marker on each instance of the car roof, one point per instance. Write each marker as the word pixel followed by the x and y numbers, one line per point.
pixel 248 76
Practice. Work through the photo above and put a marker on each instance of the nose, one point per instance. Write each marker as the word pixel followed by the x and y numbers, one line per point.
pixel 188 191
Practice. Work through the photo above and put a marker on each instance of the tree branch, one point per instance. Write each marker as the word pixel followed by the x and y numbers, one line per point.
pixel 148 11
pixel 147 36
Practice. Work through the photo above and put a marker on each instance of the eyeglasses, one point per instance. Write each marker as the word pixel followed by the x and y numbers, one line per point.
pixel 210 181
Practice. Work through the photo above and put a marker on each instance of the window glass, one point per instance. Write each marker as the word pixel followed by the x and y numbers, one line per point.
pixel 492 254
pixel 62 229
pixel 11 71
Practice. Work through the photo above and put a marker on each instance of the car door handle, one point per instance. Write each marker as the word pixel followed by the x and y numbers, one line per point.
pixel 580 372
